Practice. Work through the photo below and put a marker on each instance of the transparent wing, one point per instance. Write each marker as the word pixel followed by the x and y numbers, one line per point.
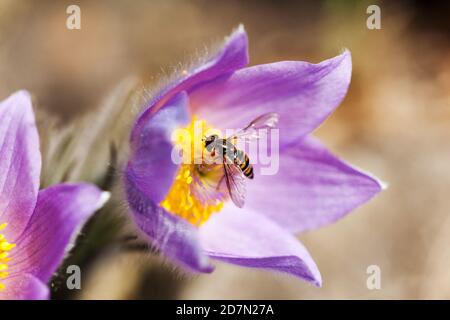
pixel 265 121
pixel 235 182
pixel 206 188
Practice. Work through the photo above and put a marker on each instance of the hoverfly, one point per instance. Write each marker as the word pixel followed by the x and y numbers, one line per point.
pixel 236 163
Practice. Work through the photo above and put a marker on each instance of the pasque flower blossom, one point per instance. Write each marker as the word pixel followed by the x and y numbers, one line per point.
pixel 312 187
pixel 35 226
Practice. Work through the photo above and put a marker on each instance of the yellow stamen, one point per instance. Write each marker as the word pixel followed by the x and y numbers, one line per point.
pixel 182 198
pixel 5 247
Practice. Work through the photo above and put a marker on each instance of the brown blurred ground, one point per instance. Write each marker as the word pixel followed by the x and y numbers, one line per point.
pixel 395 122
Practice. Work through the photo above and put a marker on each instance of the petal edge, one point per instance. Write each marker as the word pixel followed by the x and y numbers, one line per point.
pixel 302 93
pixel 20 160
pixel 245 238
pixel 61 210
pixel 313 188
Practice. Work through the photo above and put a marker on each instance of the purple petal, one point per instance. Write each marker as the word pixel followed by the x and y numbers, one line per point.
pixel 232 56
pixel 244 238
pixel 148 177
pixel 150 165
pixel 303 94
pixel 175 237
pixel 20 163
pixel 24 287
pixel 311 189
pixel 60 211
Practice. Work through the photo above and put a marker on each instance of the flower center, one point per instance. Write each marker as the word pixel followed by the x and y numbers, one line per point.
pixel 194 194
pixel 5 247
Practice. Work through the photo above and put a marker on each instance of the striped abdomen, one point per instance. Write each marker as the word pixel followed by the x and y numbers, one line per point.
pixel 243 162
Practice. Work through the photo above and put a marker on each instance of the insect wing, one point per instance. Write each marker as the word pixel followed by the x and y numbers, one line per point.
pixel 207 189
pixel 235 181
pixel 265 121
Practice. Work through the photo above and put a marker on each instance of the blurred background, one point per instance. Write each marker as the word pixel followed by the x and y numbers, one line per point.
pixel 394 122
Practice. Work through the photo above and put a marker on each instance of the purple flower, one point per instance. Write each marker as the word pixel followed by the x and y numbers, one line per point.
pixel 312 188
pixel 35 226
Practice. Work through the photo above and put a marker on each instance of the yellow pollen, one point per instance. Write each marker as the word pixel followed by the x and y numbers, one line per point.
pixel 5 247
pixel 183 196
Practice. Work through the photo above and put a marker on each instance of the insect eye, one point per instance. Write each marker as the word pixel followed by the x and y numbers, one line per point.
pixel 210 139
